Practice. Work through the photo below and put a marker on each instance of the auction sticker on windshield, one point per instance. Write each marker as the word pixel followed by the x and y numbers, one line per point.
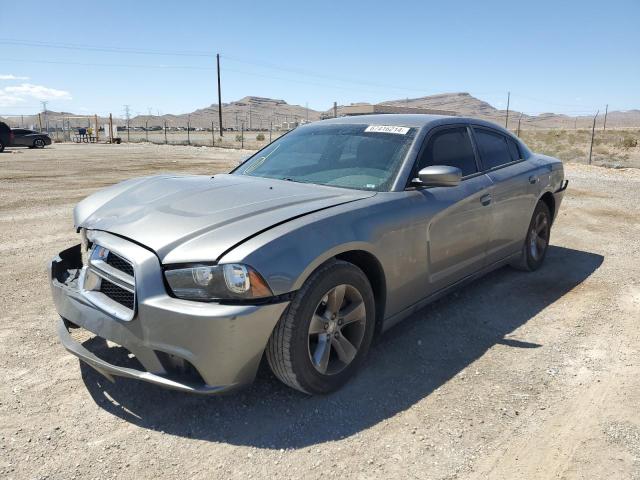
pixel 387 129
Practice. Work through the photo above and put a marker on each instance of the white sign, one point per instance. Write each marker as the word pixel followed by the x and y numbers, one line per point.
pixel 387 129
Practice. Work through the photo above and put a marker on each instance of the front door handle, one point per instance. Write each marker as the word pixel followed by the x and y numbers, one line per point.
pixel 485 199
pixel 533 179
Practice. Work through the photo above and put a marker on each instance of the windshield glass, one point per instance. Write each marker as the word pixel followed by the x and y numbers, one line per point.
pixel 362 157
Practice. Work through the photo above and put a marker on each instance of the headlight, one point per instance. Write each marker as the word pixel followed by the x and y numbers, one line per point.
pixel 217 282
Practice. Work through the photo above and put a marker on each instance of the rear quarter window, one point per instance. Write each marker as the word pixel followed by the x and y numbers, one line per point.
pixel 514 149
pixel 493 147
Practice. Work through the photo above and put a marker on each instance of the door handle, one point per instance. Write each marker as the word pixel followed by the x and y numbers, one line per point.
pixel 533 179
pixel 485 199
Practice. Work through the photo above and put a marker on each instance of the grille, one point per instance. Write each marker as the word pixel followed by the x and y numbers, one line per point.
pixel 117 294
pixel 119 263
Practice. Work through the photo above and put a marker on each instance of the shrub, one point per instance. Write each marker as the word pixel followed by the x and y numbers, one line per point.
pixel 238 138
pixel 629 142
pixel 260 137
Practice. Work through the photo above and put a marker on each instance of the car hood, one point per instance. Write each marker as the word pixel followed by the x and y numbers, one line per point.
pixel 199 218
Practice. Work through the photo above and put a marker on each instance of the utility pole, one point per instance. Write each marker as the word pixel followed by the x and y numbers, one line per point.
pixel 335 109
pixel 249 115
pixel 110 128
pixel 44 112
pixel 219 95
pixel 213 136
pixel 593 132
pixel 606 110
pixel 506 121
pixel 189 129
pixel 127 115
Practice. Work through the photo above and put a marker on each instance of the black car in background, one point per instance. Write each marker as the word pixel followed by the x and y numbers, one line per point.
pixel 28 138
pixel 6 136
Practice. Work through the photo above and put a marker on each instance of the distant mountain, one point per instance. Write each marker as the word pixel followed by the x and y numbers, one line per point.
pixel 259 112
pixel 254 112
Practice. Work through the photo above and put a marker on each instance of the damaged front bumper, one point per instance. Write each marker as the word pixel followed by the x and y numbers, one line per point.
pixel 184 345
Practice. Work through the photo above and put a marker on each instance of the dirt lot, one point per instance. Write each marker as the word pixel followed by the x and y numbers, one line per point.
pixel 518 376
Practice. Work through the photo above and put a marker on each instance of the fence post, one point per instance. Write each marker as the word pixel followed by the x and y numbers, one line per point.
pixel 213 136
pixel 165 132
pixel 128 136
pixel 146 130
pixel 593 132
pixel 189 130
pixel 242 135
pixel 57 135
pixel 270 128
pixel 519 118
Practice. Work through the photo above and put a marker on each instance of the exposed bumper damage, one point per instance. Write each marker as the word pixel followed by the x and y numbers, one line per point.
pixel 190 346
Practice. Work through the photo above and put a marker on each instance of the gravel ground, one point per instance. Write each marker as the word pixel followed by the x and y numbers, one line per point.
pixel 516 376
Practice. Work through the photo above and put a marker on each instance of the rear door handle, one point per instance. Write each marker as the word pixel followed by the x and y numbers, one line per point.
pixel 485 199
pixel 533 179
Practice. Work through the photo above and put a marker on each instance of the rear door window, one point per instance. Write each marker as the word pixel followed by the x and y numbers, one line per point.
pixel 493 147
pixel 451 147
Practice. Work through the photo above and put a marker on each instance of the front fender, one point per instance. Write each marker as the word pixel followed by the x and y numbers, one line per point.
pixel 390 229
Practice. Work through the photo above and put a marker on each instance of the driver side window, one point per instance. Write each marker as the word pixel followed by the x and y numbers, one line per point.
pixel 451 147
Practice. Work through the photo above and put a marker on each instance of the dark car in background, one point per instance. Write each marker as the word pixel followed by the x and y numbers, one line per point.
pixel 6 136
pixel 29 138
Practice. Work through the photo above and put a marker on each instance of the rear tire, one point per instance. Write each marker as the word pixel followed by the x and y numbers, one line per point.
pixel 536 243
pixel 324 335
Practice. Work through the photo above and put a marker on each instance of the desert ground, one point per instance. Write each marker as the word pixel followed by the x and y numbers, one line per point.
pixel 517 376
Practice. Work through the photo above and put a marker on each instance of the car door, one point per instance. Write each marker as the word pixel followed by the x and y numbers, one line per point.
pixel 512 198
pixel 458 231
pixel 18 137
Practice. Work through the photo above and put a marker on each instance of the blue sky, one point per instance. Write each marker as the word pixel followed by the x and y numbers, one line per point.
pixel 571 57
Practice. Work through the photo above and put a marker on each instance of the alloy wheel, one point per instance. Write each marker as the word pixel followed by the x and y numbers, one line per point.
pixel 337 329
pixel 539 236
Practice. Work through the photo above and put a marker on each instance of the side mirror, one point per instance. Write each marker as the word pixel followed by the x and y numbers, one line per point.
pixel 439 176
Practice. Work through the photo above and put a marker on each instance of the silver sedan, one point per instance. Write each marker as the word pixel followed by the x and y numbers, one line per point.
pixel 326 237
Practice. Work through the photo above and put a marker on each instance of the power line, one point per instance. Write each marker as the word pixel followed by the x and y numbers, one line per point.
pixel 94 48
pixel 84 64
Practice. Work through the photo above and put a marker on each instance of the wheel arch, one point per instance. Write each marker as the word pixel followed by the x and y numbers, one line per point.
pixel 549 200
pixel 372 268
pixel 366 261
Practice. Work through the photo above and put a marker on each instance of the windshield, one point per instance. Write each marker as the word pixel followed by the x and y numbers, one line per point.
pixel 363 157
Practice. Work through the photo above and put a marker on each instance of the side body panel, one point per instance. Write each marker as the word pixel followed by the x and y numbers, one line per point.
pixel 458 233
pixel 513 201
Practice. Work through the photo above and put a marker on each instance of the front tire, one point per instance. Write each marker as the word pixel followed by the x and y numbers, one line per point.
pixel 324 335
pixel 1 147
pixel 536 243
pixel 38 143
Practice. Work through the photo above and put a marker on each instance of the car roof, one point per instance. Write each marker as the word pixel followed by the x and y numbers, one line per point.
pixel 408 120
